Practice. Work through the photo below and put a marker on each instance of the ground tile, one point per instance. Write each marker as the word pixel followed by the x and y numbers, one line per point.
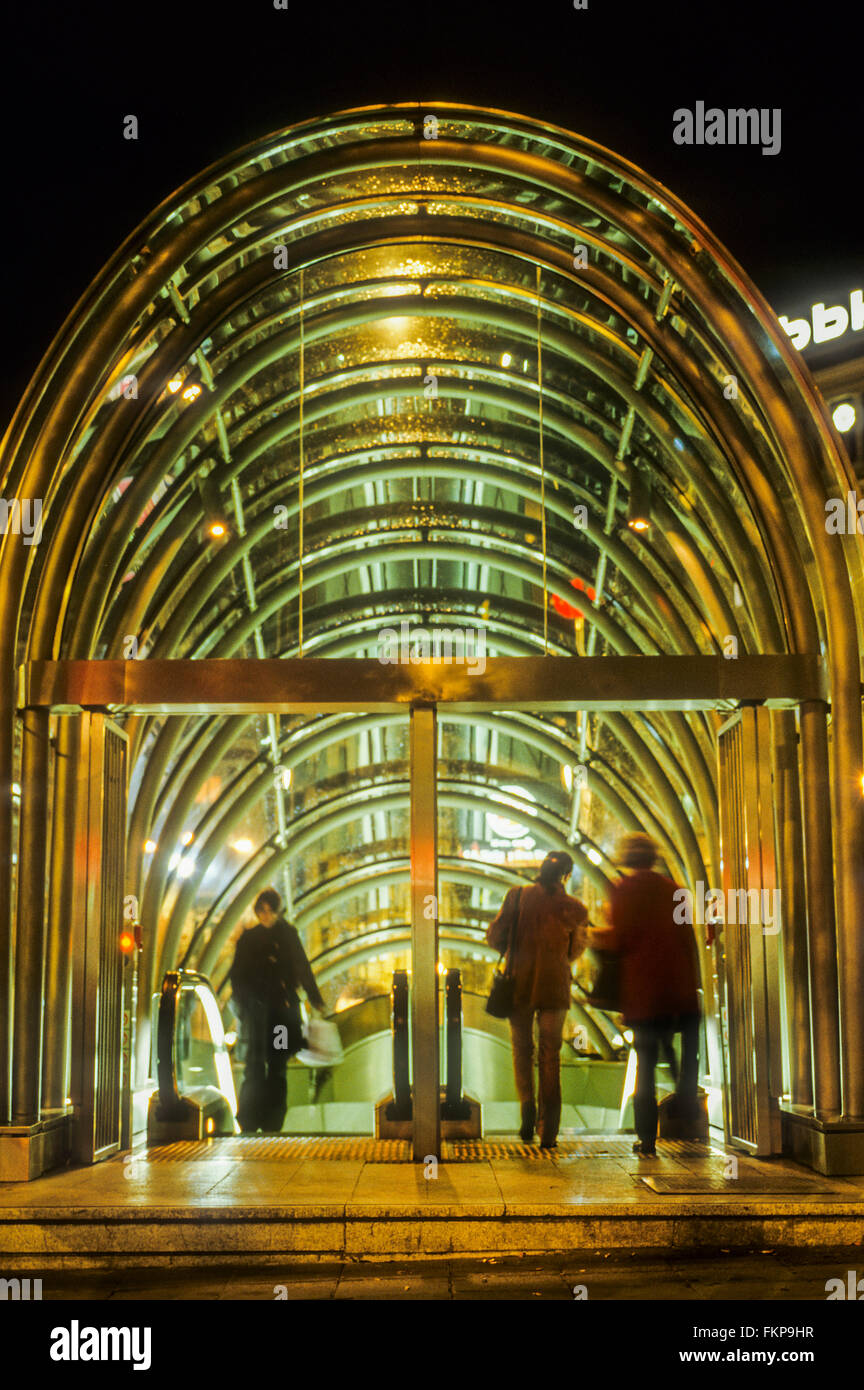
pixel 384 1288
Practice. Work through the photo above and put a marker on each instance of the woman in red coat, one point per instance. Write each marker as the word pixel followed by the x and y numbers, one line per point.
pixel 548 933
pixel 659 978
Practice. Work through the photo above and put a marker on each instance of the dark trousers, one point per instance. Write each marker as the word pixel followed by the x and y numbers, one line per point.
pixel 264 1093
pixel 648 1037
pixel 263 1096
pixel 550 1026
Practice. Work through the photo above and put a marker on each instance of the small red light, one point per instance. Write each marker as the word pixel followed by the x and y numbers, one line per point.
pixel 127 942
pixel 566 609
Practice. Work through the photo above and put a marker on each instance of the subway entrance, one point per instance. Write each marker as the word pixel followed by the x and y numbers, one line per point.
pixel 498 386
pixel 419 1060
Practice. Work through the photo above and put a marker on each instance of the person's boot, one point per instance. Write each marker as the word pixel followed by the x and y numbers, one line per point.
pixel 549 1128
pixel 529 1120
pixel 645 1121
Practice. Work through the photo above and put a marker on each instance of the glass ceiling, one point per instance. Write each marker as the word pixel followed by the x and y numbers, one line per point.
pixel 394 379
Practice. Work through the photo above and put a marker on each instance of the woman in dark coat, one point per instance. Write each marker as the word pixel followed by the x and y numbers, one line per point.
pixel 659 979
pixel 269 966
pixel 548 935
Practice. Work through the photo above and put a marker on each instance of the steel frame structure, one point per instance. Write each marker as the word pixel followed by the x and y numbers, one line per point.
pixel 347 304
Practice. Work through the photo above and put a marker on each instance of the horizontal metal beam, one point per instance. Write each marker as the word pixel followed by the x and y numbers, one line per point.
pixel 319 685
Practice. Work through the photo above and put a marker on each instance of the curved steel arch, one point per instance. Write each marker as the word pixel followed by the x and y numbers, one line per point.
pixel 179 297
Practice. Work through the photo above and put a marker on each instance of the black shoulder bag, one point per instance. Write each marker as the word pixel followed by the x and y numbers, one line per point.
pixel 605 992
pixel 500 1001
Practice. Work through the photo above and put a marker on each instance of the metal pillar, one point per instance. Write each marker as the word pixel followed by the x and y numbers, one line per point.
pixel 819 869
pixel 61 917
pixel 424 933
pixel 30 926
pixel 794 934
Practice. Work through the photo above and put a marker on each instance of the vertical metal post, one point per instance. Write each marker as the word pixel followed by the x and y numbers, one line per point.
pixel 794 933
pixel 61 916
pixel 819 873
pixel 424 933
pixel 30 927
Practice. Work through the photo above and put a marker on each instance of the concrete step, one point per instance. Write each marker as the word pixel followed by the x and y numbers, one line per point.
pixel 267 1200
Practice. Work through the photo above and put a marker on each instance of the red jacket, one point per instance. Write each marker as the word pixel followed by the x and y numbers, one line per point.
pixel 659 965
pixel 547 940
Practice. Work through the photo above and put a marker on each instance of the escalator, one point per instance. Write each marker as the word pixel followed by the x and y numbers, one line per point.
pixel 370 1091
pixel 196 1096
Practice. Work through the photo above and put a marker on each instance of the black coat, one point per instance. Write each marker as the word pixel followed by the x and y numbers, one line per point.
pixel 269 967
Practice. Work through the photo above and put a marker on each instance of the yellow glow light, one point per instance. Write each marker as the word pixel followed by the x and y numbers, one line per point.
pixel 149 846
pixel 217 528
pixel 191 393
pixel 174 385
pixel 242 846
pixel 188 837
pixel 639 524
pixel 506 359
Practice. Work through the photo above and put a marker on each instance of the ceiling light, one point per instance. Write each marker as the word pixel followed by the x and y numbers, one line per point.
pixel 242 846
pixel 149 846
pixel 639 500
pixel 844 416
pixel 174 385
pixel 192 392
pixel 506 359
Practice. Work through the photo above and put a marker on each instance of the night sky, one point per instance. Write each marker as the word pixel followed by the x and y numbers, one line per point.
pixel 204 79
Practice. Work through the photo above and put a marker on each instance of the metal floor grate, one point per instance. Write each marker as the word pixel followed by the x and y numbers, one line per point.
pixel 756 1186
pixel 285 1148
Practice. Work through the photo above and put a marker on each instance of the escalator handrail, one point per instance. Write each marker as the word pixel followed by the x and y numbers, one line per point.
pixel 400 1012
pixel 173 984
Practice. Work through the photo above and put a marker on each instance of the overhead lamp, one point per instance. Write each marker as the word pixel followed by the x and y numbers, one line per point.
pixel 639 501
pixel 594 855
pixel 506 359
pixel 844 416
pixel 174 384
pixel 192 392
pixel 188 837
pixel 149 846
pixel 242 846
pixel 215 519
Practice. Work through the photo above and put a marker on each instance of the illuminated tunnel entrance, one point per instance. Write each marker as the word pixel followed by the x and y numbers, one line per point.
pixel 439 370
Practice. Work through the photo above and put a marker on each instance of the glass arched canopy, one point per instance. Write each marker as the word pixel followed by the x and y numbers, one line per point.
pixel 427 366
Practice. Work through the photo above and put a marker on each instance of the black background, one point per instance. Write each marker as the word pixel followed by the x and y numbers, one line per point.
pixel 204 78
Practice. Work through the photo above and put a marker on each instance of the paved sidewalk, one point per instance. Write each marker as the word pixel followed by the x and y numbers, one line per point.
pixel 278 1200
pixel 759 1276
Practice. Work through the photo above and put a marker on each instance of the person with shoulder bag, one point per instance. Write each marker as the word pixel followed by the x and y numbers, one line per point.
pixel 659 981
pixel 269 966
pixel 542 930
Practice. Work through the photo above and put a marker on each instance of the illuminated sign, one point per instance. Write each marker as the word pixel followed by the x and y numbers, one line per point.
pixel 826 322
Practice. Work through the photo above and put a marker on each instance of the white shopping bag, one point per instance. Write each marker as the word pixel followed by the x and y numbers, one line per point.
pixel 323 1044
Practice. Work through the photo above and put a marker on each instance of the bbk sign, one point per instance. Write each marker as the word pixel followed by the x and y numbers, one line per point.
pixel 826 322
